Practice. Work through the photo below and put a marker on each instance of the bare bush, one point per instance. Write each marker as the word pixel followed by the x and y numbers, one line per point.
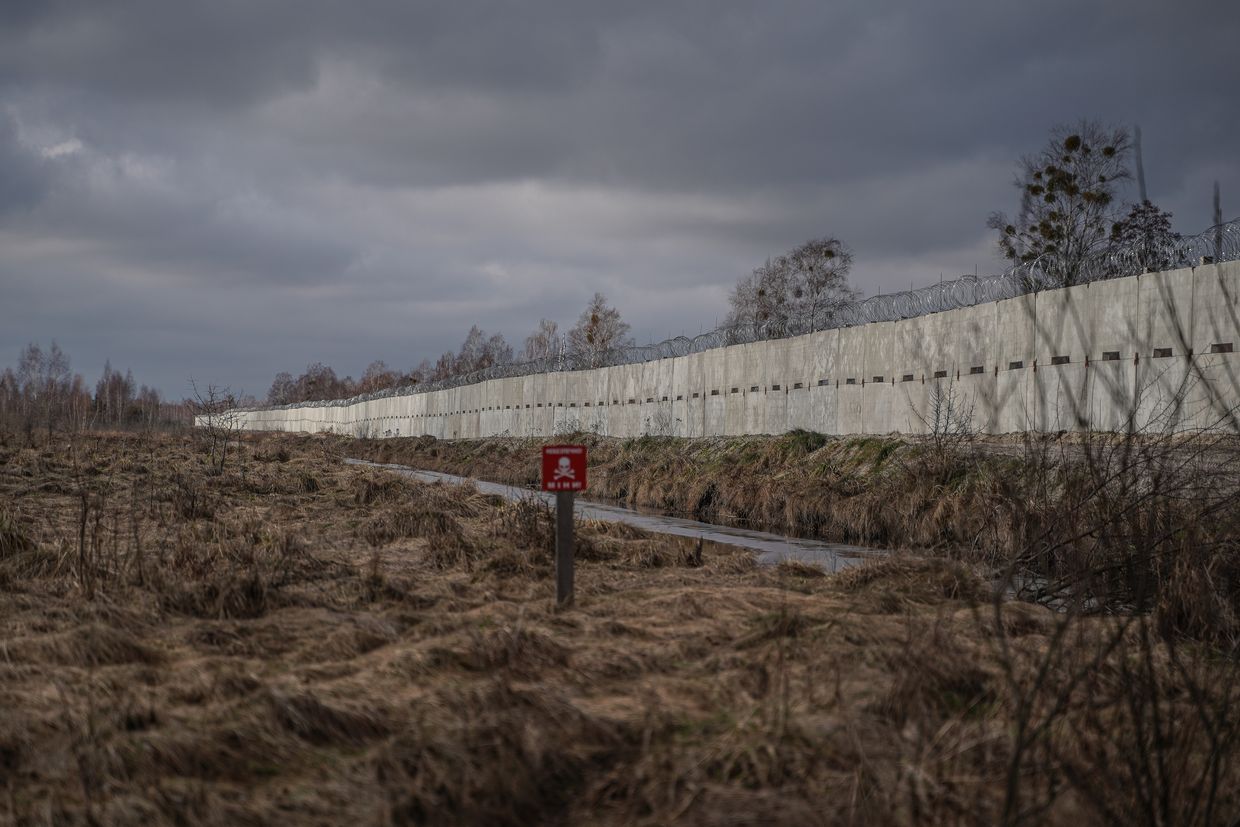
pixel 216 418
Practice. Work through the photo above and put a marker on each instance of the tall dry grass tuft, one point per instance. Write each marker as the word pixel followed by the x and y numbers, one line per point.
pixel 88 646
pixel 13 539
pixel 405 521
pixel 495 754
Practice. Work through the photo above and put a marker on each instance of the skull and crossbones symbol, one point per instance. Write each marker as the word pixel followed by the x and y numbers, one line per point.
pixel 564 470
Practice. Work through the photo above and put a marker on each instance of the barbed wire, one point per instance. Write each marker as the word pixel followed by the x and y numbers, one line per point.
pixel 1217 244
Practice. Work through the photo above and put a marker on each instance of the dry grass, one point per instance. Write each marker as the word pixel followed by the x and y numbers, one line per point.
pixel 249 648
pixel 1149 521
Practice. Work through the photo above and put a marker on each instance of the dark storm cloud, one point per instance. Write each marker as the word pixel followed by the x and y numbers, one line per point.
pixel 307 180
pixel 24 177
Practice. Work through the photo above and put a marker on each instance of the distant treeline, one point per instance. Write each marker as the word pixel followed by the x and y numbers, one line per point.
pixel 598 330
pixel 44 394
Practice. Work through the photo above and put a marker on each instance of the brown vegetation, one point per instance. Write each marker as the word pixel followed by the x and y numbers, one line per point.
pixel 1145 522
pixel 293 640
pixel 43 394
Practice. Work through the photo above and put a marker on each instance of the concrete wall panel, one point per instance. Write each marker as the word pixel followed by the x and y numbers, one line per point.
pixel 1159 351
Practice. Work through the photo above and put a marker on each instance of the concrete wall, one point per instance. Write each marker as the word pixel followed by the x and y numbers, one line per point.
pixel 1158 351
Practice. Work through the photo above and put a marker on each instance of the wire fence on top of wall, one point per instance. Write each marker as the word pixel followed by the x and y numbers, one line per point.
pixel 1217 244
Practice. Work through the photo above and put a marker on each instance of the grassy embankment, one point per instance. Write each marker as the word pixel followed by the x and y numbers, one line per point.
pixel 1151 523
pixel 296 641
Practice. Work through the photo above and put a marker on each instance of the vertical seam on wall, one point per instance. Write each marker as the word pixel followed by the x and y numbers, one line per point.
pixel 1190 370
pixel 865 363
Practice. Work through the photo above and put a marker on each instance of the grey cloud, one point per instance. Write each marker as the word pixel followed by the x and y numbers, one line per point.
pixel 350 181
pixel 24 175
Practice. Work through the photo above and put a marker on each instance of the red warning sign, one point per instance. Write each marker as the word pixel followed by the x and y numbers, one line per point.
pixel 564 468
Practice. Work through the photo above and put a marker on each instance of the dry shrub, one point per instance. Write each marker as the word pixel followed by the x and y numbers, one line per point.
pixel 801 569
pixel 235 751
pixel 21 558
pixel 189 497
pixel 924 580
pixel 637 548
pixel 225 594
pixel 218 680
pixel 521 651
pixel 933 677
pixel 735 562
pixel 781 624
pixel 494 754
pixel 235 570
pixel 751 765
pixel 15 744
pixel 650 554
pixel 512 562
pixel 321 723
pixel 364 635
pixel 407 521
pixel 1198 599
pixel 393 489
pixel 91 645
pixel 528 522
pixel 450 551
pixel 13 539
pixel 387 488
pixel 1133 727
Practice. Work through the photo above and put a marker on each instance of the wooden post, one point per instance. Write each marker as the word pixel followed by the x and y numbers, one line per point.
pixel 564 548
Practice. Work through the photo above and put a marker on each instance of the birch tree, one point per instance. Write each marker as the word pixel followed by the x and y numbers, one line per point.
pixel 598 330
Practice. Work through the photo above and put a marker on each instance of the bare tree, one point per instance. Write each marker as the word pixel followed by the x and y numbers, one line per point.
pixel 497 351
pixel 445 366
pixel 79 404
pixel 472 354
pixel 761 296
pixel 29 369
pixel 478 352
pixel 10 398
pixel 421 373
pixel 806 286
pixel 598 330
pixel 1146 234
pixel 543 342
pixel 56 381
pixel 1067 199
pixel 819 270
pixel 283 389
pixel 320 382
pixel 146 407
pixel 948 419
pixel 113 394
pixel 216 417
pixel 45 385
pixel 377 376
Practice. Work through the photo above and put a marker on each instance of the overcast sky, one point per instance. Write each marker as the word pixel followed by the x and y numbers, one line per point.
pixel 228 189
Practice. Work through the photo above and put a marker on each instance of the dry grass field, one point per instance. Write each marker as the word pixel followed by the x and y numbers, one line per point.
pixel 291 640
pixel 1148 521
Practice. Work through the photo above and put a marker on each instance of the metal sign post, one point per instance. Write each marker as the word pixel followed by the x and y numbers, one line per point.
pixel 564 548
pixel 564 472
